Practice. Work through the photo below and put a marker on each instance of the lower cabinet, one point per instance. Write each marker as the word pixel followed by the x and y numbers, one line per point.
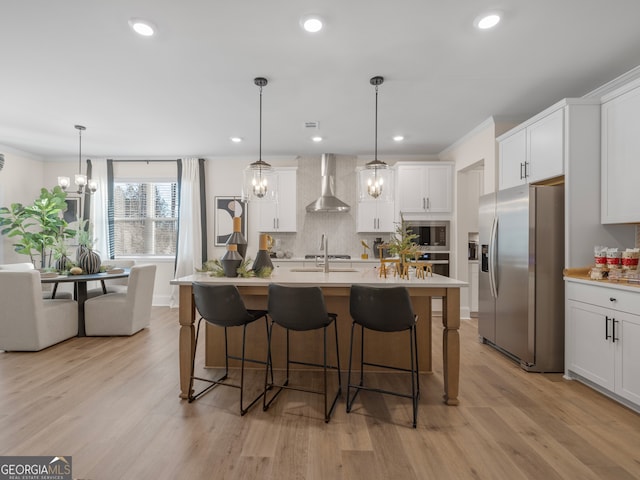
pixel 603 337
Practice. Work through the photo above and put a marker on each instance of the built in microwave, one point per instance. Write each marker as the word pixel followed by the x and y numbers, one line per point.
pixel 432 235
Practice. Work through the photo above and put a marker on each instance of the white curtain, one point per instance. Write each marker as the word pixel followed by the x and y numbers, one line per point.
pixel 189 254
pixel 99 206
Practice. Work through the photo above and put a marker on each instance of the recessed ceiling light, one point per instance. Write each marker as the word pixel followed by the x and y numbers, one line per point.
pixel 236 139
pixel 487 20
pixel 142 27
pixel 398 138
pixel 311 23
pixel 316 139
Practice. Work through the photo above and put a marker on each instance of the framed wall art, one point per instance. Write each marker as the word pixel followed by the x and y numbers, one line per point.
pixel 226 209
pixel 74 209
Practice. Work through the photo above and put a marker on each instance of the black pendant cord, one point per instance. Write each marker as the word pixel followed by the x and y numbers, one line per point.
pixel 260 136
pixel 376 142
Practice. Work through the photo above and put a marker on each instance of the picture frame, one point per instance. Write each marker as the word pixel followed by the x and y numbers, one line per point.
pixel 74 210
pixel 226 208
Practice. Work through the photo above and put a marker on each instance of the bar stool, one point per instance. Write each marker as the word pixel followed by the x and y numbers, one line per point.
pixel 301 309
pixel 222 305
pixel 383 309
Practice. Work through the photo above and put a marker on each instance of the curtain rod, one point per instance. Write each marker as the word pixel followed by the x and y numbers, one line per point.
pixel 145 161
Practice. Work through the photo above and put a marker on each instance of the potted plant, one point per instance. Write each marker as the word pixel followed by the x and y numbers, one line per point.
pixel 402 241
pixel 86 257
pixel 37 228
pixel 61 256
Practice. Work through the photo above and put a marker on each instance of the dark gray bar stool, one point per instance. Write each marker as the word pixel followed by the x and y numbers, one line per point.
pixel 222 305
pixel 301 309
pixel 383 309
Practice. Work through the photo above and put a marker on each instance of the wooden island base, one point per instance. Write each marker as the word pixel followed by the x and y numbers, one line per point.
pixel 307 346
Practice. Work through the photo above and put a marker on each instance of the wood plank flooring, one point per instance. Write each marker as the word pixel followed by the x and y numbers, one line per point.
pixel 112 404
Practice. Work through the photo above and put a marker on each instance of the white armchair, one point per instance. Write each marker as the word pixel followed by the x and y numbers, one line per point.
pixel 122 313
pixel 25 267
pixel 28 322
pixel 113 285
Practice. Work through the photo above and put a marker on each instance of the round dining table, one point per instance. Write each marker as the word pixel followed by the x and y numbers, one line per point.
pixel 80 288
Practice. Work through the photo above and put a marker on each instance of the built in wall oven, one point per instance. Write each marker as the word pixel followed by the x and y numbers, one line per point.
pixel 433 243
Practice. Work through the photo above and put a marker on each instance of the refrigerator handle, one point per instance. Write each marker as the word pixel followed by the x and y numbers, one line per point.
pixel 492 258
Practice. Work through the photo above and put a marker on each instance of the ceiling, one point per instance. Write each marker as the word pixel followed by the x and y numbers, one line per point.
pixel 187 90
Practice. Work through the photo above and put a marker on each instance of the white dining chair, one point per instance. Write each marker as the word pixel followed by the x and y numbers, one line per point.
pixel 112 285
pixel 47 289
pixel 28 322
pixel 116 314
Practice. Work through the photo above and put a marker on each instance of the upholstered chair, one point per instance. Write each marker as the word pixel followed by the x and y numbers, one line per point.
pixel 28 322
pixel 122 313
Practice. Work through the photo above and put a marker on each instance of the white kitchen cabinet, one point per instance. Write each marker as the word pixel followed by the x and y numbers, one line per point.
pixel 534 152
pixel 603 338
pixel 621 158
pixel 512 151
pixel 425 188
pixel 279 214
pixel 375 216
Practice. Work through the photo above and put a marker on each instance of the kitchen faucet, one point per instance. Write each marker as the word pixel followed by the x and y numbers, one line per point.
pixel 324 247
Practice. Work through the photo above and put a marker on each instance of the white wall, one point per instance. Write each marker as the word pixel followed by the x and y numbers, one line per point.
pixel 20 182
pixel 476 149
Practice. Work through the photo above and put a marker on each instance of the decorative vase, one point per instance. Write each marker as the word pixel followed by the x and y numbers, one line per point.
pixel 63 264
pixel 237 238
pixel 263 259
pixel 231 260
pixel 89 261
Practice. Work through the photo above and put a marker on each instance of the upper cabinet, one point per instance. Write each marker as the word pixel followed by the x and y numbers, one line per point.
pixel 621 157
pixel 375 215
pixel 425 188
pixel 533 153
pixel 279 214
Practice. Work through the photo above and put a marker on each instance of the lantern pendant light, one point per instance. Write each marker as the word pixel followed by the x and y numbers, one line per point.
pixel 256 183
pixel 377 168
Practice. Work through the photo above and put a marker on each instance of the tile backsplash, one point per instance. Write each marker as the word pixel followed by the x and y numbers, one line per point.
pixel 339 227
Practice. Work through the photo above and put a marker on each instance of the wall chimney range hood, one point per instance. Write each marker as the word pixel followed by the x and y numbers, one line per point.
pixel 328 202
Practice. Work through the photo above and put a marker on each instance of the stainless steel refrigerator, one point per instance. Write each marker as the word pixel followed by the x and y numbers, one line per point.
pixel 521 292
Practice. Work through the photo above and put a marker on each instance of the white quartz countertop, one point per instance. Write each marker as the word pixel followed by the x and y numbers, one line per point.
pixel 365 275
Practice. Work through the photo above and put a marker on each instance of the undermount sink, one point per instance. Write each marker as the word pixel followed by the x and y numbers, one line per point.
pixel 320 269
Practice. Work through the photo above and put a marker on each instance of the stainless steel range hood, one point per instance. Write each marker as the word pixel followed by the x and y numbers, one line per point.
pixel 328 202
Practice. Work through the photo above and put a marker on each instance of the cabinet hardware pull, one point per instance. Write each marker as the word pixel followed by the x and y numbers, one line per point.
pixel 521 174
pixel 606 328
pixel 424 204
pixel 613 336
pixel 526 173
pixel 428 203
pixel 612 299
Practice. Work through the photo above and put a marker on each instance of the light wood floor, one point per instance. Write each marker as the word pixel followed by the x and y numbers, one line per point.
pixel 112 404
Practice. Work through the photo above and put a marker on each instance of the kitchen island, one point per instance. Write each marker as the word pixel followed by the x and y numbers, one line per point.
pixel 336 287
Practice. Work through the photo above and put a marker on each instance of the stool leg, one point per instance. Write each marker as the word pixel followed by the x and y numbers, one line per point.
pixel 414 399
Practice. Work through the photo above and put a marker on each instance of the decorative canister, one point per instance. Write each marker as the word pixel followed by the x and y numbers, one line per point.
pixel 231 260
pixel 263 259
pixel 237 237
pixel 89 261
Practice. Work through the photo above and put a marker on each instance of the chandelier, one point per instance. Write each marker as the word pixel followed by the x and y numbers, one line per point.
pixel 84 185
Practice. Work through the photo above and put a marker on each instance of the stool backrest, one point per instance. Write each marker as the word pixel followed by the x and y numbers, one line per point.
pixel 221 305
pixel 386 309
pixel 298 308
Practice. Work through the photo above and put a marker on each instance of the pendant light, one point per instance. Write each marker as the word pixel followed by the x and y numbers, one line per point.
pixel 256 183
pixel 377 172
pixel 80 180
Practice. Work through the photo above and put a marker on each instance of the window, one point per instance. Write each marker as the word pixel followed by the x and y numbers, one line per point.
pixel 145 216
